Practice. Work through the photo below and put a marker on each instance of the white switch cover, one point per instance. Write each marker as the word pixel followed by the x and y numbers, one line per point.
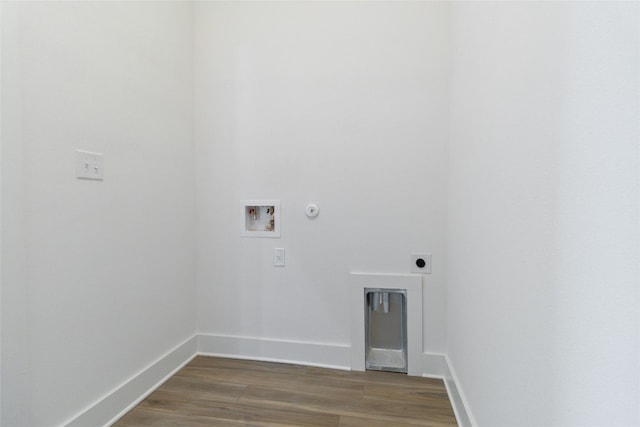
pixel 90 165
pixel 278 257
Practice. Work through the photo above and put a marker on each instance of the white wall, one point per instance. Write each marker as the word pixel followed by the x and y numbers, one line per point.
pixel 345 104
pixel 14 316
pixel 543 212
pixel 108 280
pixel 342 104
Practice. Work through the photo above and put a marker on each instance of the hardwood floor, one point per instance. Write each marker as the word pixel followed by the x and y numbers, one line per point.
pixel 213 391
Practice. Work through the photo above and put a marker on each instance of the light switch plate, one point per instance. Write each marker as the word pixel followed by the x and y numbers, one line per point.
pixel 421 263
pixel 278 257
pixel 89 165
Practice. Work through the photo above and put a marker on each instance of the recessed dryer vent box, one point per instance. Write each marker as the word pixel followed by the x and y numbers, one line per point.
pixel 260 218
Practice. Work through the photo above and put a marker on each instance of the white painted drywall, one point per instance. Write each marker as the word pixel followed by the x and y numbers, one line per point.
pixel 339 103
pixel 108 280
pixel 14 313
pixel 345 104
pixel 543 212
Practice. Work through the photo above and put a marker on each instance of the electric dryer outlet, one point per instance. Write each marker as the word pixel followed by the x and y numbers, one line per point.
pixel 421 263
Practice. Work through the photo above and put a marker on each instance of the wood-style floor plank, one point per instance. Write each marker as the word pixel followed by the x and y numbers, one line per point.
pixel 228 392
pixel 217 412
pixel 140 417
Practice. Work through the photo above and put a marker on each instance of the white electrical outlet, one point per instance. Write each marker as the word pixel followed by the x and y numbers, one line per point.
pixel 421 263
pixel 90 165
pixel 278 257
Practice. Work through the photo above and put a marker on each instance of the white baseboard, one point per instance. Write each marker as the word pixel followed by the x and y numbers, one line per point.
pixel 327 356
pixel 456 396
pixel 333 356
pixel 115 404
pixel 118 402
pixel 438 366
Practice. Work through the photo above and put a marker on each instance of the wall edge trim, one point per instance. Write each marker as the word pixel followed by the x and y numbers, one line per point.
pixel 323 355
pixel 332 356
pixel 132 391
pixel 459 402
pixel 436 365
